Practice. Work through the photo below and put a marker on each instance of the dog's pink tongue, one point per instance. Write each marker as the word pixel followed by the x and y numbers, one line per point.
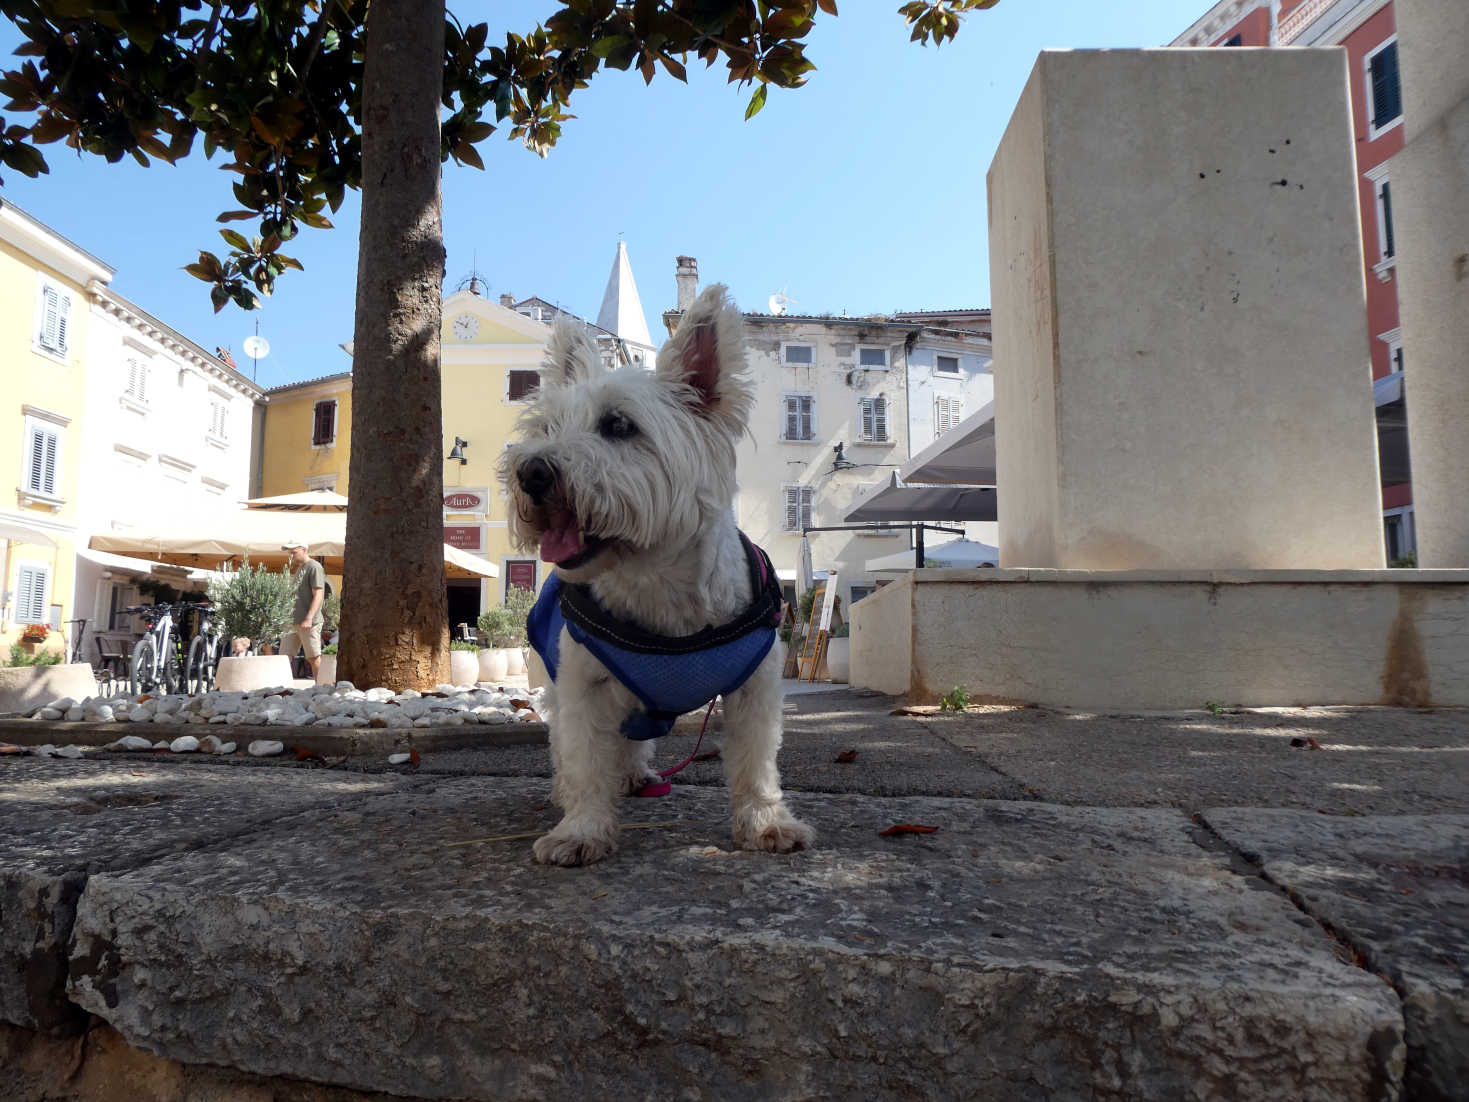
pixel 560 544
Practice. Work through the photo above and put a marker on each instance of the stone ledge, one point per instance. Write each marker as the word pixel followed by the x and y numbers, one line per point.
pixel 942 575
pixel 408 944
pixel 352 741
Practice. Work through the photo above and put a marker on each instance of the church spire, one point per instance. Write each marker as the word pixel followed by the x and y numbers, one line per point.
pixel 622 310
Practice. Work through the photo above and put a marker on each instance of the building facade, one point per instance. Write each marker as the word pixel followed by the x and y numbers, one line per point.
pixel 1366 30
pixel 840 402
pixel 45 329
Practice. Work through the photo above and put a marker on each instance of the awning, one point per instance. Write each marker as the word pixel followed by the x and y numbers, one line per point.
pixel 212 541
pixel 898 502
pixel 955 553
pixel 24 533
pixel 1387 389
pixel 142 568
pixel 307 501
pixel 965 454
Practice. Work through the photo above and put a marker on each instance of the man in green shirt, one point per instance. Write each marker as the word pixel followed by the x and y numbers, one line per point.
pixel 305 630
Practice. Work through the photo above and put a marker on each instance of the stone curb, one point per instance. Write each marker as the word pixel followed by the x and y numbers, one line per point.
pixel 335 742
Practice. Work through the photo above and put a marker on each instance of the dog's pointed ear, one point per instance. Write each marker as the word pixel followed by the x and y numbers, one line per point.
pixel 707 355
pixel 570 355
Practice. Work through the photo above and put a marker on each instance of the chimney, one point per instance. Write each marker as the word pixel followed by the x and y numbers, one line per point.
pixel 508 301
pixel 686 275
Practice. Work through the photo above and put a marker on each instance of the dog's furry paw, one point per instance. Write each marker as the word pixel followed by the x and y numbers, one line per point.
pixel 570 850
pixel 635 782
pixel 773 832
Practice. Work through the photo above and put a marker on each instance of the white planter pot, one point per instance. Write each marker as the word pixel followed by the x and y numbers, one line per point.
pixel 463 667
pixel 492 665
pixel 514 661
pixel 253 671
pixel 839 659
pixel 25 687
pixel 326 673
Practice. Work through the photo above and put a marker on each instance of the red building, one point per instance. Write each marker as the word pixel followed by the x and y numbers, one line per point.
pixel 1365 28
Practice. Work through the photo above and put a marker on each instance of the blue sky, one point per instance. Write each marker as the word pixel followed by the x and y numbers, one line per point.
pixel 862 192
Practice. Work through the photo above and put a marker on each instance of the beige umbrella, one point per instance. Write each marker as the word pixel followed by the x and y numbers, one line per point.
pixel 227 539
pixel 307 501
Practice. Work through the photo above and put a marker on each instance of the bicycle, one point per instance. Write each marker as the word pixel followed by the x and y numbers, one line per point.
pixel 155 661
pixel 205 651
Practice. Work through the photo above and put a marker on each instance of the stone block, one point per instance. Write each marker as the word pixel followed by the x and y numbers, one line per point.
pixel 25 687
pixel 1394 887
pixel 1179 308
pixel 411 945
pixel 61 822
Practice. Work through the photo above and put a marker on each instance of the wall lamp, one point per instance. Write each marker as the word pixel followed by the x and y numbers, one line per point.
pixel 457 452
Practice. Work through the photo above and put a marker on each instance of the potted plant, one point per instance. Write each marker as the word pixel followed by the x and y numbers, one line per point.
pixel 34 633
pixel 463 663
pixel 326 671
pixel 33 678
pixel 255 603
pixel 504 629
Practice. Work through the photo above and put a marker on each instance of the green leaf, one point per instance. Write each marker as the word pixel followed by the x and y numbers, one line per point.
pixel 466 154
pixel 237 215
pixel 235 240
pixel 316 221
pixel 757 101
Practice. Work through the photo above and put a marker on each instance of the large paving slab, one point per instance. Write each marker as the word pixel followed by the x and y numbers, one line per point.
pixel 1023 950
pixel 1396 887
pixel 1381 761
pixel 63 821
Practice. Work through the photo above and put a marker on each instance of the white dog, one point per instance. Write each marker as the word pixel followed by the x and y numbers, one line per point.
pixel 657 603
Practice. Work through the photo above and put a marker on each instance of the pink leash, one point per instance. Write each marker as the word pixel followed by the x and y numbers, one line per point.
pixel 663 787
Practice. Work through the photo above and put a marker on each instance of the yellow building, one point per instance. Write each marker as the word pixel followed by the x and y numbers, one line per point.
pixel 44 325
pixel 491 358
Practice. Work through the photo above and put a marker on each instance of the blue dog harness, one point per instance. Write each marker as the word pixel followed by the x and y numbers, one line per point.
pixel 670 675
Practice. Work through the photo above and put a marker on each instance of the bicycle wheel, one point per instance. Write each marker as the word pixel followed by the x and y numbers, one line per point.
pixel 140 670
pixel 196 669
pixel 173 674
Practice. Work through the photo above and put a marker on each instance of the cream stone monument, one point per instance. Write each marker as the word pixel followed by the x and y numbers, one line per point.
pixel 1176 267
pixel 1186 458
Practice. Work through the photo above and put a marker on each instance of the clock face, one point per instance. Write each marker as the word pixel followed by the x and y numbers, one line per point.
pixel 466 326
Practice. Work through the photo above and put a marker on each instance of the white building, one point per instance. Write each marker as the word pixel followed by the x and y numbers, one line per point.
pixel 839 402
pixel 169 435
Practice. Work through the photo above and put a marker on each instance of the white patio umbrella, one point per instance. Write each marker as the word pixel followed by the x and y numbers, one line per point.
pixel 307 501
pixel 960 552
pixel 803 567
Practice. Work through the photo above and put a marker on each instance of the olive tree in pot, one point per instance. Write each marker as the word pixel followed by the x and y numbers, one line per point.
pixel 255 603
pixel 504 629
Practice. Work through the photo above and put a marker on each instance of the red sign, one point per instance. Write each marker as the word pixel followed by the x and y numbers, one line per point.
pixel 464 501
pixel 466 537
pixel 521 573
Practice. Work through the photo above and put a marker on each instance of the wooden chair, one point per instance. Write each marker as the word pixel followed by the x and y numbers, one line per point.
pixel 113 655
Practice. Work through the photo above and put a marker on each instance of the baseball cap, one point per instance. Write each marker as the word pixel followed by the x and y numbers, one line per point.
pixel 291 545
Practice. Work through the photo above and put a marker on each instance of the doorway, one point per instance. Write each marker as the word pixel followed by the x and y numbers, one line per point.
pixel 464 605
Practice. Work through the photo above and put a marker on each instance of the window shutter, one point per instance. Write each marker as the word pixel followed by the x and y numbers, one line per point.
pixel 807 494
pixel 1386 92
pixel 63 307
pixel 49 469
pixel 41 465
pixel 793 505
pixel 1388 248
pixel 806 429
pixel 879 418
pixel 30 601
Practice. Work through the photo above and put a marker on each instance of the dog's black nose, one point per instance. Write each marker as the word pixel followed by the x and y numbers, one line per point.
pixel 536 476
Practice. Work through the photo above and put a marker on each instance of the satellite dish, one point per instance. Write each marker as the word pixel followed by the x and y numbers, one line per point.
pixel 779 301
pixel 256 347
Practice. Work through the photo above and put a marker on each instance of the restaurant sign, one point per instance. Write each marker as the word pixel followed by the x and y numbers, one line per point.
pixel 466 537
pixel 462 500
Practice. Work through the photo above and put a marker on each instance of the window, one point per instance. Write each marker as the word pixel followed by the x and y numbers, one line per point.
pixel 43 452
pixel 800 355
pixel 947 412
pixel 800 417
pixel 1384 219
pixel 873 358
pixel 520 573
pixel 52 313
pixel 217 416
pixel 1398 534
pixel 32 591
pixel 798 501
pixel 947 365
pixel 1384 94
pixel 1235 40
pixel 874 419
pixel 523 384
pixel 324 423
pixel 857 592
pixel 137 384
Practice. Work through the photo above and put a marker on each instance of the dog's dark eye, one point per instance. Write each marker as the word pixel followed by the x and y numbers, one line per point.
pixel 616 426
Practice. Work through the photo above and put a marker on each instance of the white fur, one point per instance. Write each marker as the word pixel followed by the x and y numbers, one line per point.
pixel 673 563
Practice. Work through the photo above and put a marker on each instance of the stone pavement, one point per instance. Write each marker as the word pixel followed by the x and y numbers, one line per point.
pixel 1155 906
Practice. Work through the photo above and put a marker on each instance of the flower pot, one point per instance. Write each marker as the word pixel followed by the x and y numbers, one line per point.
pixel 514 662
pixel 463 667
pixel 25 687
pixel 326 673
pixel 839 659
pixel 492 665
pixel 253 671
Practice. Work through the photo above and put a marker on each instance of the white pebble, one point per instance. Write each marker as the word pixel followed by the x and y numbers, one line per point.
pixel 49 713
pixel 130 742
pixel 399 759
pixel 184 744
pixel 265 748
pixel 69 752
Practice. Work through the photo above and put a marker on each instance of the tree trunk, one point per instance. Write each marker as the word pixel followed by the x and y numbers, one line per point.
pixel 395 627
